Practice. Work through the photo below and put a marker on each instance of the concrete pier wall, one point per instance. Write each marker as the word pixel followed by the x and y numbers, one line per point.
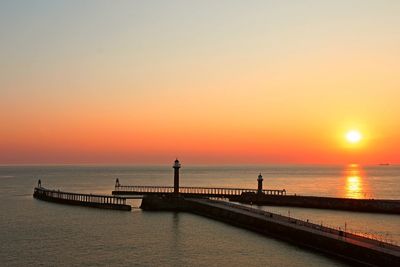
pixel 164 203
pixel 357 251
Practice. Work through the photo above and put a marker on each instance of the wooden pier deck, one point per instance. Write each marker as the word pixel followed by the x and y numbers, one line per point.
pixel 88 200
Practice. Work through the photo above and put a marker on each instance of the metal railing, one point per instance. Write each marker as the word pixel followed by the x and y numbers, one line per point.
pixel 41 191
pixel 205 191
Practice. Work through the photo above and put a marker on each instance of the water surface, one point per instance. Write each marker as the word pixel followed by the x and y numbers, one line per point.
pixel 35 233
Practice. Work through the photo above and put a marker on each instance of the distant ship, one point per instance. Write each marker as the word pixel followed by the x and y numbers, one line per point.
pixel 384 164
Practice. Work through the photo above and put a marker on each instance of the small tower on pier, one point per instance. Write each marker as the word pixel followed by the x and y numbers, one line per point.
pixel 260 184
pixel 176 167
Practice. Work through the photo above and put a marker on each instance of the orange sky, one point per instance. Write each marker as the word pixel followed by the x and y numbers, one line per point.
pixel 266 82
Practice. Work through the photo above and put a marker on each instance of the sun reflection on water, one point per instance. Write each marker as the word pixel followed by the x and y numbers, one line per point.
pixel 354 182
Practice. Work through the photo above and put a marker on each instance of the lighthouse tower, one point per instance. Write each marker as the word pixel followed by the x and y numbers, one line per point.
pixel 176 167
pixel 260 184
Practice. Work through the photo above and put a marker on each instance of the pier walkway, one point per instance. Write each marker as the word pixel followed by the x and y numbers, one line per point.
pixel 137 190
pixel 332 232
pixel 90 200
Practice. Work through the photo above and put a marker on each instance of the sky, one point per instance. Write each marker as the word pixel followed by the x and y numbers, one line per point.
pixel 209 82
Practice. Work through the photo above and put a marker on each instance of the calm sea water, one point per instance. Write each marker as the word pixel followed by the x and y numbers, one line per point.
pixel 38 233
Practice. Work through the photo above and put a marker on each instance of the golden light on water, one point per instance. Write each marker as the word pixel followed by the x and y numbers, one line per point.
pixel 353 187
pixel 354 182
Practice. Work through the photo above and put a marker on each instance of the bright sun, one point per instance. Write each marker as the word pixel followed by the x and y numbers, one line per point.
pixel 353 136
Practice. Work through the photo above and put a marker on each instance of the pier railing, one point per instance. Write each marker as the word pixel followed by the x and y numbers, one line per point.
pixel 204 191
pixel 89 198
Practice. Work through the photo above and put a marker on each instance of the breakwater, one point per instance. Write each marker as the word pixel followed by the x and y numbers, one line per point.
pixel 346 246
pixel 361 205
pixel 87 200
pixel 264 197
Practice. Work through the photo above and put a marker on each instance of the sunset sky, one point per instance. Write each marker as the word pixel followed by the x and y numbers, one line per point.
pixel 205 81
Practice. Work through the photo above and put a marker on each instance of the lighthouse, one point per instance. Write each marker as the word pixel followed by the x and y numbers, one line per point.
pixel 260 184
pixel 176 167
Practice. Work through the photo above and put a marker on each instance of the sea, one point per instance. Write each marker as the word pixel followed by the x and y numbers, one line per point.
pixel 38 233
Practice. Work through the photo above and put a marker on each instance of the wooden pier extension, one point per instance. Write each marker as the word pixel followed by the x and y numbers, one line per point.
pixel 346 246
pixel 88 200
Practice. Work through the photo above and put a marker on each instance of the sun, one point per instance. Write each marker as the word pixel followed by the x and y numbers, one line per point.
pixel 353 136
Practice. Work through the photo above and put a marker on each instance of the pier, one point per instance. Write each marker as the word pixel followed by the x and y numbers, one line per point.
pixel 262 196
pixel 218 192
pixel 88 200
pixel 349 247
pixel 127 190
pixel 386 206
